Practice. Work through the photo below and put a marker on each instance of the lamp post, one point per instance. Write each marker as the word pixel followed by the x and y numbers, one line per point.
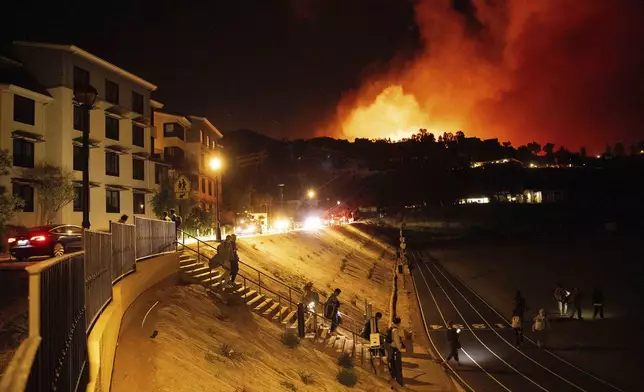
pixel 85 95
pixel 215 165
pixel 311 194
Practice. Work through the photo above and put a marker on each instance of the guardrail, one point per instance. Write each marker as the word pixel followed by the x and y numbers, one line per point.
pixel 123 250
pixel 98 276
pixel 154 237
pixel 57 315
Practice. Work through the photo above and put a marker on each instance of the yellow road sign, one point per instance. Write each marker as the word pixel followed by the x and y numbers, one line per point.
pixel 182 187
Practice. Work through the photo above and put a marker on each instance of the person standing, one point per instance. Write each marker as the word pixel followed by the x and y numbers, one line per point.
pixel 395 357
pixel 454 342
pixel 598 302
pixel 517 326
pixel 165 217
pixel 575 300
pixel 540 327
pixel 123 219
pixel 176 219
pixel 561 295
pixel 520 306
pixel 310 299
pixel 332 308
pixel 234 259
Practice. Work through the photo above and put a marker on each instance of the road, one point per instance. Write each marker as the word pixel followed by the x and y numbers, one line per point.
pixel 490 361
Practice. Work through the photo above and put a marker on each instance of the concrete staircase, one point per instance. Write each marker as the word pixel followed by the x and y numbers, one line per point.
pixel 194 271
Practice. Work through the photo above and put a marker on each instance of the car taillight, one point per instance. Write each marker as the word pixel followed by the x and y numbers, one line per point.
pixel 38 238
pixel 11 240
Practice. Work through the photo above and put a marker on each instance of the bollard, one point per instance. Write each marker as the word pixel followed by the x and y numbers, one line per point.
pixel 300 320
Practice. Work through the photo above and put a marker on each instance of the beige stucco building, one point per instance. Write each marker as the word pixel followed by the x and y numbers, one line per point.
pixel 40 122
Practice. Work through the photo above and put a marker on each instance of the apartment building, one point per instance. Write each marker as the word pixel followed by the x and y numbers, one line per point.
pixel 189 143
pixel 39 121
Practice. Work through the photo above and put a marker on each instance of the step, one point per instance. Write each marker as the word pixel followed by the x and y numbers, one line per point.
pixel 323 333
pixel 185 256
pixel 216 276
pixel 190 267
pixel 241 290
pixel 249 294
pixel 255 300
pixel 288 318
pixel 207 273
pixel 339 344
pixel 198 271
pixel 348 346
pixel 270 310
pixel 187 260
pixel 330 342
pixel 263 305
pixel 280 313
pixel 358 354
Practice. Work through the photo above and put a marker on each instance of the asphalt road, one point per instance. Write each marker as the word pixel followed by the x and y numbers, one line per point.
pixel 489 359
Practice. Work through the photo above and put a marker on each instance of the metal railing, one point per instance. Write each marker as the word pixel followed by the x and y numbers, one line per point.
pixel 123 250
pixel 98 276
pixel 57 314
pixel 153 237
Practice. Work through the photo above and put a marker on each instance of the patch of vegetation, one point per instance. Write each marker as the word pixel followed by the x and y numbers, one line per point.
pixel 242 389
pixel 290 339
pixel 371 271
pixel 346 361
pixel 289 385
pixel 301 258
pixel 254 246
pixel 343 264
pixel 306 376
pixel 228 351
pixel 222 317
pixel 347 377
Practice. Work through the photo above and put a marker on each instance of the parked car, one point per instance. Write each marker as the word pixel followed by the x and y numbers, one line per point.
pixel 51 240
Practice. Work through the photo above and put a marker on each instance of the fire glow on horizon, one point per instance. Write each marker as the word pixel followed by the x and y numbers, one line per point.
pixel 559 71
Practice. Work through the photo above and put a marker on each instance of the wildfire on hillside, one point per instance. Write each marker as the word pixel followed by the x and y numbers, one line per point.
pixel 562 71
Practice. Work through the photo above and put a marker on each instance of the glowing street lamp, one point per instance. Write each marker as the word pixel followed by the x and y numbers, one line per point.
pixel 311 194
pixel 338 202
pixel 215 165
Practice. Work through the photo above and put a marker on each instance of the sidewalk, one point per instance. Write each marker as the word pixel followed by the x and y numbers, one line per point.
pixel 420 370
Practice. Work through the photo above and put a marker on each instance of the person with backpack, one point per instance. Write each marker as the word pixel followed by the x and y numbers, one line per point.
pixel 598 302
pixel 310 299
pixel 517 326
pixel 540 327
pixel 176 219
pixel 561 296
pixel 575 300
pixel 332 309
pixel 222 259
pixel 454 342
pixel 366 331
pixel 395 356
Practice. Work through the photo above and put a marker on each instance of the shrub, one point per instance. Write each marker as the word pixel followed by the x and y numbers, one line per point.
pixel 345 360
pixel 306 376
pixel 343 264
pixel 347 377
pixel 290 339
pixel 371 271
pixel 228 351
pixel 289 385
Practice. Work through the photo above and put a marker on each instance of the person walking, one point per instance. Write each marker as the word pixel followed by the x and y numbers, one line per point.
pixel 395 357
pixel 176 219
pixel 561 295
pixel 454 342
pixel 540 327
pixel 234 259
pixel 332 309
pixel 165 217
pixel 575 300
pixel 520 306
pixel 310 299
pixel 598 302
pixel 222 259
pixel 517 326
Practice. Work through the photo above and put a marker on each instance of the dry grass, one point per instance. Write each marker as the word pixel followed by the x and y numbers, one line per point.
pixel 306 376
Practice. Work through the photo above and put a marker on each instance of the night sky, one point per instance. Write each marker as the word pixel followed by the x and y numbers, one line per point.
pixel 565 71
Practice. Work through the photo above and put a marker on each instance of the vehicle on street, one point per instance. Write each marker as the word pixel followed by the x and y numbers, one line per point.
pixel 50 240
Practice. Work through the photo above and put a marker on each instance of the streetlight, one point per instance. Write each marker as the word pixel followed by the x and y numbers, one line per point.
pixel 84 97
pixel 338 202
pixel 216 165
pixel 311 194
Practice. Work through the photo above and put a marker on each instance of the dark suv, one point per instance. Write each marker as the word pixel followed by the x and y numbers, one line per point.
pixel 51 240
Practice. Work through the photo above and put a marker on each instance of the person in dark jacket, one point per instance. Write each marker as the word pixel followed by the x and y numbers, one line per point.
pixel 575 300
pixel 234 259
pixel 598 302
pixel 520 306
pixel 332 309
pixel 454 342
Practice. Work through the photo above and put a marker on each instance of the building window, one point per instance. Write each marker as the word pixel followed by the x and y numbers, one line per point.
pixel 24 110
pixel 78 198
pixel 111 92
pixel 138 135
pixel 203 161
pixel 173 130
pixel 111 163
pixel 81 119
pixel 137 102
pixel 200 136
pixel 138 169
pixel 209 188
pixel 26 193
pixel 113 204
pixel 139 203
pixel 78 158
pixel 213 144
pixel 81 77
pixel 207 140
pixel 23 153
pixel 111 128
pixel 203 185
pixel 158 173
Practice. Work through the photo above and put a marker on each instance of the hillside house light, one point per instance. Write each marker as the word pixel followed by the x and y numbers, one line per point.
pixel 84 97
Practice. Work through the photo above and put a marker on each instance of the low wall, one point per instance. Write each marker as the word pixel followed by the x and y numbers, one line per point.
pixel 102 340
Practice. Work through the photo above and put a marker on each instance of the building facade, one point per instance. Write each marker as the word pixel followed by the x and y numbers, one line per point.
pixel 45 125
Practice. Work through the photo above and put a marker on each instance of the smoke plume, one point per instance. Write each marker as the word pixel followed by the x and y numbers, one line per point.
pixel 569 72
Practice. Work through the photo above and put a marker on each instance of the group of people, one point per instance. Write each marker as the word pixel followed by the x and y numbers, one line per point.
pixel 573 298
pixel 172 217
pixel 227 258
pixel 391 342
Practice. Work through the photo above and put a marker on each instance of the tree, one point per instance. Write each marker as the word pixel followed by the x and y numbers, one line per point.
pixel 507 144
pixel 549 149
pixel 582 152
pixel 199 219
pixel 164 199
pixel 534 148
pixel 9 204
pixel 460 135
pixel 609 151
pixel 619 149
pixel 55 188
